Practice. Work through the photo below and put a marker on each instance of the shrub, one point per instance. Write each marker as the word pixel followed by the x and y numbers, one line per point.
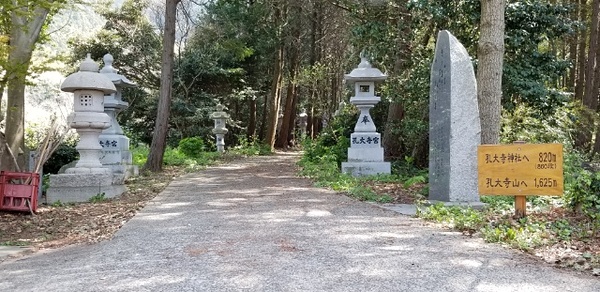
pixel 191 147
pixel 140 154
pixel 64 154
pixel 254 147
pixel 335 139
pixel 582 186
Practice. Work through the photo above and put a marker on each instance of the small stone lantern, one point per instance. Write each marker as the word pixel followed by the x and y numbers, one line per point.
pixel 115 145
pixel 88 117
pixel 365 155
pixel 220 118
pixel 303 122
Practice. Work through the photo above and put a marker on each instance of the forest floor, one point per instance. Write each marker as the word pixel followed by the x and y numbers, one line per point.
pixel 64 224
pixel 85 223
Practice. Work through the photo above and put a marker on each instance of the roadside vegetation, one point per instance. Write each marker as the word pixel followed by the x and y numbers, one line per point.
pixel 60 224
pixel 564 231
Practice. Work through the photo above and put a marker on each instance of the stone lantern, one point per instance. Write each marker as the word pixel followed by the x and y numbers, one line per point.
pixel 88 177
pixel 88 117
pixel 340 108
pixel 365 155
pixel 220 118
pixel 303 122
pixel 115 145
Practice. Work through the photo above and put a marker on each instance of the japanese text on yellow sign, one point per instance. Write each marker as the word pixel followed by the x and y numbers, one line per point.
pixel 520 169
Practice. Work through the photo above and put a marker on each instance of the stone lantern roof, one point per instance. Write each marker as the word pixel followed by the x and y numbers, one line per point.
pixel 303 114
pixel 112 74
pixel 365 72
pixel 88 78
pixel 219 114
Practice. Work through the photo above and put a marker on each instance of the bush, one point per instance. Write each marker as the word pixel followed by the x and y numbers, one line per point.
pixel 335 139
pixel 175 157
pixel 582 186
pixel 64 154
pixel 249 148
pixel 140 154
pixel 191 147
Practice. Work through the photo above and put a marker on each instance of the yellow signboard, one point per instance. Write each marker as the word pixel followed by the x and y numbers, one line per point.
pixel 520 169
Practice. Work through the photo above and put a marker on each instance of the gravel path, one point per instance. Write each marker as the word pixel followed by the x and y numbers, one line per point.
pixel 252 225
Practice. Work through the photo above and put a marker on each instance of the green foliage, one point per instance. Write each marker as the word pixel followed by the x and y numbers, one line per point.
pixel 496 224
pixel 140 154
pixel 333 142
pixel 582 187
pixel 14 243
pixel 526 123
pixel 174 157
pixel 499 202
pixel 64 154
pixel 367 194
pixel 325 171
pixel 191 147
pixel 58 204
pixel 407 170
pixel 530 65
pixel 524 235
pixel 250 148
pixel 418 179
pixel 98 198
pixel 463 219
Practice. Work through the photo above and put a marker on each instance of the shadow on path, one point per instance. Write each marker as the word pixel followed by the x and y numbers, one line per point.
pixel 252 225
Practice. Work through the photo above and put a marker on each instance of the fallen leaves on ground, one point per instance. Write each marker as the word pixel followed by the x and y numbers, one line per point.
pixel 56 226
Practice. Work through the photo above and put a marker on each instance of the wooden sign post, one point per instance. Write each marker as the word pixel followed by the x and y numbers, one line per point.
pixel 520 170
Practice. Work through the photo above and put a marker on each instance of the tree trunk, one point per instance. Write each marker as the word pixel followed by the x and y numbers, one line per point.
pixel 250 135
pixel 275 97
pixel 589 100
pixel 489 70
pixel 391 142
pixel 583 137
pixel 572 53
pixel 579 83
pixel 289 112
pixel 262 131
pixel 159 138
pixel 25 32
pixel 2 86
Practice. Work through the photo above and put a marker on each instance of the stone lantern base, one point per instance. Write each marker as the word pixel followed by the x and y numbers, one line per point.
pixel 76 187
pixel 366 168
pixel 365 156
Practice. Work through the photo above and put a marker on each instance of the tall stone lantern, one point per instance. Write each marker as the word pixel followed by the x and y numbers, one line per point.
pixel 220 118
pixel 115 145
pixel 88 177
pixel 88 117
pixel 365 155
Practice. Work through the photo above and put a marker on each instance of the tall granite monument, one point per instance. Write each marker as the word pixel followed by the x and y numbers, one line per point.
pixel 454 126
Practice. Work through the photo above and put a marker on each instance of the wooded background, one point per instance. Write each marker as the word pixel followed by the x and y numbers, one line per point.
pixel 268 59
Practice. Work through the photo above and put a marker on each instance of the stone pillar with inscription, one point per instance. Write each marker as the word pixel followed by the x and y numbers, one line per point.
pixel 115 145
pixel 88 178
pixel 365 155
pixel 454 126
